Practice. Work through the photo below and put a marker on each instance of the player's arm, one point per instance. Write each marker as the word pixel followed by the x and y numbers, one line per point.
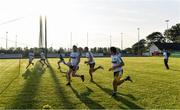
pixel 78 60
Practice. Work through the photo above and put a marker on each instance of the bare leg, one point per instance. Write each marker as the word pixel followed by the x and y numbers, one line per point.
pixel 117 83
pixel 30 62
pixel 99 67
pixel 90 73
pixel 76 75
pixel 41 62
pixel 59 67
pixel 45 63
pixel 69 77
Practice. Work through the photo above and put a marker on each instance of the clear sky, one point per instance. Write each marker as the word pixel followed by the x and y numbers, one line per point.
pixel 100 18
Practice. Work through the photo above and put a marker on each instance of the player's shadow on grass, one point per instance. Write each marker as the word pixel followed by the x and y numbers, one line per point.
pixel 125 101
pixel 175 70
pixel 26 98
pixel 28 73
pixel 60 91
pixel 83 97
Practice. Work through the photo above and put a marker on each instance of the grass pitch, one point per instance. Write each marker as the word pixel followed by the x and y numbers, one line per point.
pixel 153 86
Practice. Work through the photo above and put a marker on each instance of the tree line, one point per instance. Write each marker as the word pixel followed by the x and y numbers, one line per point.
pixel 171 35
pixel 25 51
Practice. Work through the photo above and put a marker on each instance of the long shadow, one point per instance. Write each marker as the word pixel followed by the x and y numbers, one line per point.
pixel 174 70
pixel 26 98
pixel 26 74
pixel 59 90
pixel 8 84
pixel 128 103
pixel 83 97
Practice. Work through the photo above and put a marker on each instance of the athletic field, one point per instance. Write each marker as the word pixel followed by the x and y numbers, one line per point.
pixel 153 86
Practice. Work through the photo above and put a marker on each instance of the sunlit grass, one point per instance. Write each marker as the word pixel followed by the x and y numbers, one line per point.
pixel 153 86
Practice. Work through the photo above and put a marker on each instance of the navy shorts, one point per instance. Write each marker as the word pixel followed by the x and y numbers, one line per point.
pixel 74 68
pixel 92 65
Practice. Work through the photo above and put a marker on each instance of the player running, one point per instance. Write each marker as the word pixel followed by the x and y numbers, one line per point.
pixel 117 67
pixel 60 61
pixel 31 57
pixel 91 63
pixel 43 59
pixel 166 55
pixel 74 65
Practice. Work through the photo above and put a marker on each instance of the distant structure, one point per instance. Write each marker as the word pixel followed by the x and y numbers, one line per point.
pixel 41 37
pixel 157 48
pixel 46 51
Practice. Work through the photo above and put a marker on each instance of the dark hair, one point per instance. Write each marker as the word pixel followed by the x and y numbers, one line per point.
pixel 113 49
pixel 86 48
pixel 74 46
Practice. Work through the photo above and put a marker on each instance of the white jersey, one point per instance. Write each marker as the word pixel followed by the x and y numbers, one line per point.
pixel 74 58
pixel 165 55
pixel 89 55
pixel 119 54
pixel 43 55
pixel 31 55
pixel 116 61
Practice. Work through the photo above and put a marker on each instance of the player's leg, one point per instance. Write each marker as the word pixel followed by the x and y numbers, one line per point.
pixel 41 61
pixel 166 63
pixel 90 73
pixel 30 62
pixel 76 75
pixel 44 61
pixel 63 71
pixel 116 81
pixel 69 77
pixel 119 81
pixel 91 70
pixel 99 67
pixel 59 62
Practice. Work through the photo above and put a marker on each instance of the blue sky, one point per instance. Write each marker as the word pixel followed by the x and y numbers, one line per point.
pixel 100 18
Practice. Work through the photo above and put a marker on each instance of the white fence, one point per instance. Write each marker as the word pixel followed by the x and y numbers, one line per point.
pixel 3 56
pixel 10 56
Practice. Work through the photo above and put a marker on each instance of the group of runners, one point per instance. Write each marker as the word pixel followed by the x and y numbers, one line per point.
pixel 73 65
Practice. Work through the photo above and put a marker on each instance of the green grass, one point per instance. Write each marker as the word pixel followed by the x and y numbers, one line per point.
pixel 153 86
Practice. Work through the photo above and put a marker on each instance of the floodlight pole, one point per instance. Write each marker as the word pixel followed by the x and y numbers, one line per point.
pixel 16 42
pixel 167 23
pixel 138 39
pixel 71 40
pixel 121 41
pixel 6 40
pixel 87 39
pixel 110 40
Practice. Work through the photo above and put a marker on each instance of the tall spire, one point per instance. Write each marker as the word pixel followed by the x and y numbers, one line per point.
pixel 46 36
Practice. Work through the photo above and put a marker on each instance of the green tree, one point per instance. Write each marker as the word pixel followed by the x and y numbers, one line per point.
pixel 141 45
pixel 173 34
pixel 128 50
pixel 155 37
